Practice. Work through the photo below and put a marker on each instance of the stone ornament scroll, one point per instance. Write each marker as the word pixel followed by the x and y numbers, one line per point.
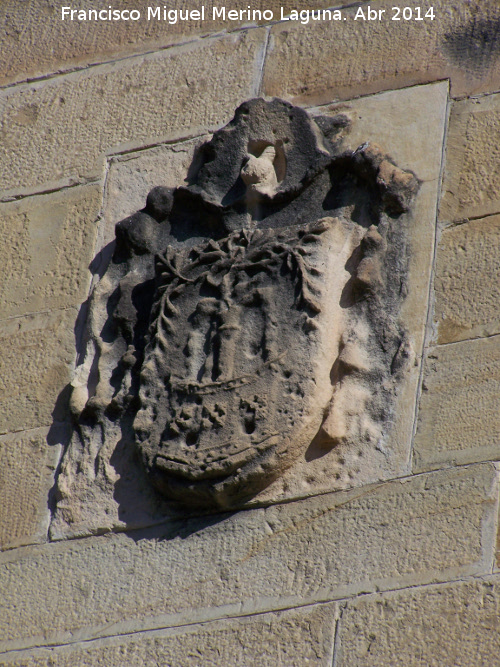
pixel 247 316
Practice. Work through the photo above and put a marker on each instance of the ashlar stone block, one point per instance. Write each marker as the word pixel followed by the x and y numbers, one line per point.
pixel 313 63
pixel 27 466
pixel 293 638
pixel 38 42
pixel 48 244
pixel 56 131
pixel 458 414
pixel 467 280
pixel 38 353
pixel 471 187
pixel 454 625
pixel 431 527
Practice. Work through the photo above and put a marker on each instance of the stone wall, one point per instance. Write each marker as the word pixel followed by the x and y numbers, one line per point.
pixel 398 567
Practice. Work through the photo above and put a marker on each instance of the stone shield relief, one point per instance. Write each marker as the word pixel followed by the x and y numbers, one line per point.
pixel 247 316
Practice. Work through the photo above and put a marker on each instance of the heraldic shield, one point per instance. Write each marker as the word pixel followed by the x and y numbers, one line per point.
pixel 239 304
pixel 231 384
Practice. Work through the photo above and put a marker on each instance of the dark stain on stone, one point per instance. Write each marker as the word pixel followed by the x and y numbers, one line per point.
pixel 475 46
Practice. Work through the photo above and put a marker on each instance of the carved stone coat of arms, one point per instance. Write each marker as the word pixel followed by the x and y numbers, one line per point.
pixel 253 311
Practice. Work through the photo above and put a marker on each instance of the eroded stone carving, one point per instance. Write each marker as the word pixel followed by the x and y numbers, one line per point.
pixel 249 313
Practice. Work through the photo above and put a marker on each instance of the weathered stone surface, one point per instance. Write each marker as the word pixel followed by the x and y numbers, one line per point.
pixel 293 638
pixel 454 625
pixel 467 281
pixel 35 41
pixel 131 176
pixel 48 243
pixel 27 465
pixel 394 120
pixel 233 294
pixel 471 187
pixel 409 124
pixel 37 353
pixel 427 528
pixel 57 130
pixel 312 62
pixel 458 416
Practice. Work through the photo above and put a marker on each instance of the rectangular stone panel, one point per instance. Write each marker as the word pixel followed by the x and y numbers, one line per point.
pixel 458 414
pixel 427 528
pixel 471 186
pixel 37 353
pixel 48 244
pixel 293 638
pixel 454 625
pixel 57 130
pixel 467 281
pixel 407 124
pixel 341 59
pixel 27 465
pixel 36 41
